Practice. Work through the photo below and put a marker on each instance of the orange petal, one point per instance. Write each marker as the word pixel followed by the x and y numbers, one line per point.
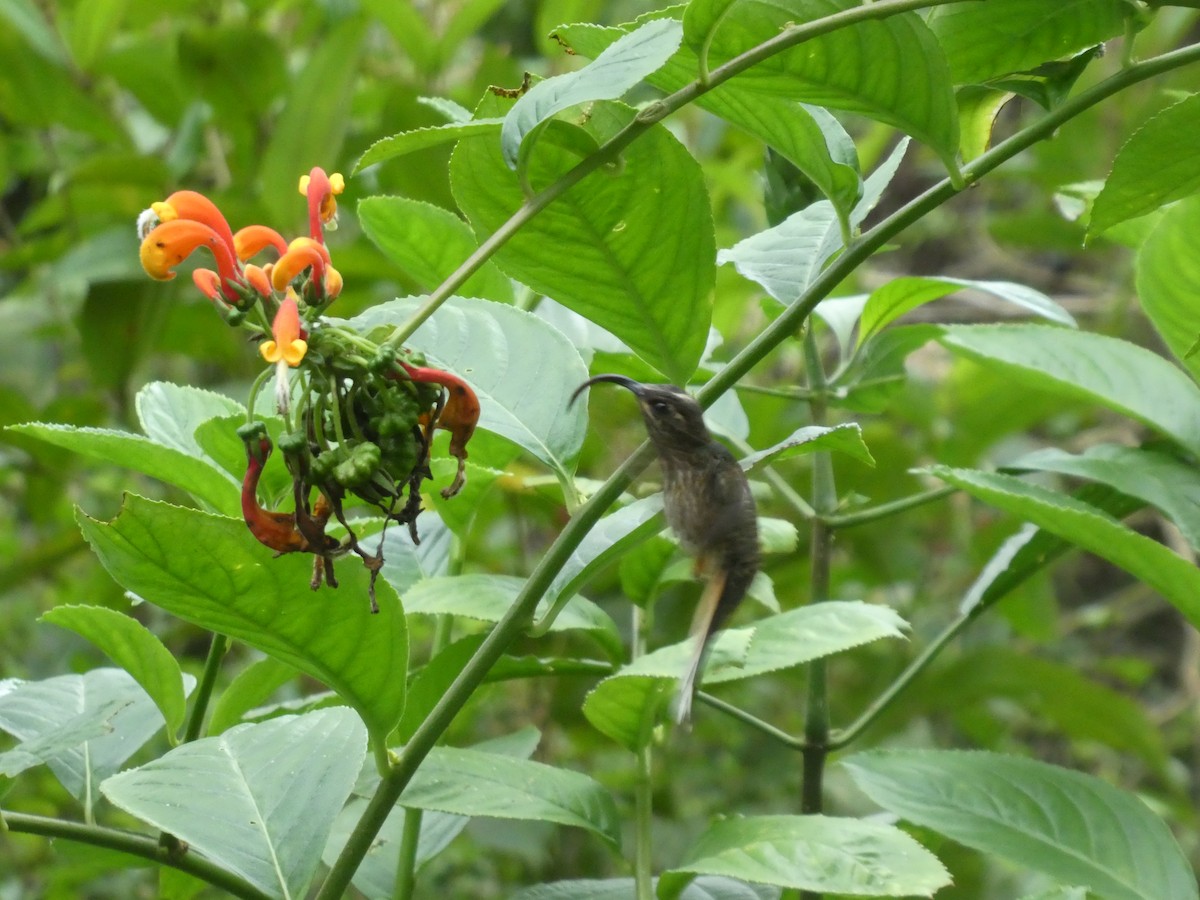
pixel 170 243
pixel 195 206
pixel 252 239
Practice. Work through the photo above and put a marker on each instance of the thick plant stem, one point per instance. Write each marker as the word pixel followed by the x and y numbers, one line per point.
pixel 208 679
pixel 774 334
pixel 475 671
pixel 135 845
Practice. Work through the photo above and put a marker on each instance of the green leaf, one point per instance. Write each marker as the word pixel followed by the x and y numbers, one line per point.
pixel 1071 826
pixel 306 131
pixel 61 738
pixel 93 26
pixel 31 709
pixel 807 136
pixel 133 647
pixel 1152 169
pixel 1158 479
pixel 1168 280
pixel 221 579
pixel 983 41
pixel 1087 527
pixel 902 295
pixel 846 438
pixel 477 783
pixel 261 799
pixel 624 706
pixel 608 77
pixel 250 688
pixel 170 414
pixel 587 249
pixel 406 563
pixel 429 243
pixel 27 19
pixel 812 853
pixel 486 598
pixel 890 69
pixel 1081 365
pixel 203 481
pixel 706 887
pixel 787 258
pixel 422 138
pixel 522 369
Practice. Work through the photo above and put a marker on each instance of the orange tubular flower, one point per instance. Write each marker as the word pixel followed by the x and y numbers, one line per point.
pixel 459 416
pixel 196 207
pixel 170 243
pixel 302 253
pixel 321 189
pixel 252 239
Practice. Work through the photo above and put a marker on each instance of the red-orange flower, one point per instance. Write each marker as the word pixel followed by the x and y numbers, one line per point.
pixel 320 190
pixel 251 240
pixel 302 253
pixel 289 346
pixel 170 243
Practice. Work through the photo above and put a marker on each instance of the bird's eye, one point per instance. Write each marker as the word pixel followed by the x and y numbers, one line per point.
pixel 660 407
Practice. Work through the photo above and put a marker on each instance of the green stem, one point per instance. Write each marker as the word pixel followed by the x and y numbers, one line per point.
pixel 794 743
pixel 136 845
pixel 406 868
pixel 824 494
pixel 779 484
pixel 845 736
pixel 208 679
pixel 255 388
pixel 781 329
pixel 643 795
pixel 886 510
pixel 644 121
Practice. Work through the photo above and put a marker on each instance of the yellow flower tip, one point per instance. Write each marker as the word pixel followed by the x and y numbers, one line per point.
pixel 164 210
pixel 304 180
pixel 333 283
pixel 337 183
pixel 169 244
pixel 294 352
pixel 270 351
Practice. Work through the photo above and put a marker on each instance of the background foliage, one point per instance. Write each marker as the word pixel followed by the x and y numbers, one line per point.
pixel 1089 664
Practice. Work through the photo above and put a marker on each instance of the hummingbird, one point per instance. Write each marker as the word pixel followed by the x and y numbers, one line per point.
pixel 708 504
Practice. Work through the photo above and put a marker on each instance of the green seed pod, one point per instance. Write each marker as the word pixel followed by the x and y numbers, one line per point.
pixel 252 431
pixel 359 466
pixel 293 443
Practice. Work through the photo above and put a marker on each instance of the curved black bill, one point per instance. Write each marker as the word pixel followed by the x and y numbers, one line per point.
pixel 629 383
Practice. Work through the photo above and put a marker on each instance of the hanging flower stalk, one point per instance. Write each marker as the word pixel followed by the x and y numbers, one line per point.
pixel 358 418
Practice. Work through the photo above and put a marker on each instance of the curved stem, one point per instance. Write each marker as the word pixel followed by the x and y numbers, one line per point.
pixel 643 795
pixel 781 329
pixel 884 510
pixel 136 845
pixel 776 734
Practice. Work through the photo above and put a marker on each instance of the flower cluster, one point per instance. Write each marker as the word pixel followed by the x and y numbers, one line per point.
pixel 357 414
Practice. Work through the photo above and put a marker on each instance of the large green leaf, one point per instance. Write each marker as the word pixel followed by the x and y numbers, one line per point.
pixel 133 647
pixel 902 295
pixel 1168 280
pixel 1152 169
pixel 486 598
pixel 706 887
pixel 1072 826
pixel 477 783
pixel 522 369
pixel 807 136
pixel 209 571
pixel 429 243
pixel 986 40
pixel 1082 365
pixel 891 69
pixel 608 77
pixel 1158 479
pixel 30 710
pixel 170 414
pixel 587 249
pixel 812 853
pixel 260 799
pixel 202 480
pixel 625 705
pixel 1087 527
pixel 786 258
